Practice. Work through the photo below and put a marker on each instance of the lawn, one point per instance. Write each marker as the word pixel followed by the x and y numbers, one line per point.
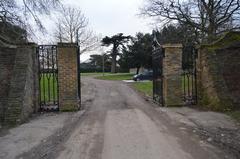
pixel 48 88
pixel 116 77
pixel 188 83
pixel 235 115
pixel 145 87
pixel 94 74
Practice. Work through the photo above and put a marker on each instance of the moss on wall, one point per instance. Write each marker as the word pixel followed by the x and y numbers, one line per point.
pixel 216 61
pixel 226 40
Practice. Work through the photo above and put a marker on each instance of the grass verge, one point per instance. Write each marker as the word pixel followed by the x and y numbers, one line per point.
pixel 48 86
pixel 144 87
pixel 116 77
pixel 235 115
pixel 94 74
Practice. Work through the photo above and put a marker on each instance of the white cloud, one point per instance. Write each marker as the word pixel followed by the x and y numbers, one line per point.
pixel 106 17
pixel 109 17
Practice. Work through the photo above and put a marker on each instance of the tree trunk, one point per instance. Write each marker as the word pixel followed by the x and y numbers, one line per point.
pixel 211 36
pixel 114 59
pixel 114 63
pixel 211 29
pixel 138 68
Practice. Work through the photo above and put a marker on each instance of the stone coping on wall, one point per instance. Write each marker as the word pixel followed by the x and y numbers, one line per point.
pixel 3 44
pixel 172 46
pixel 29 44
pixel 225 41
pixel 7 44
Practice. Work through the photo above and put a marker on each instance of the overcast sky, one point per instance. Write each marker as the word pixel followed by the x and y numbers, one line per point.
pixel 109 17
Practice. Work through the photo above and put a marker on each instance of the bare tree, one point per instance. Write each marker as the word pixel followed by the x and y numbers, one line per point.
pixel 88 41
pixel 17 12
pixel 70 22
pixel 210 17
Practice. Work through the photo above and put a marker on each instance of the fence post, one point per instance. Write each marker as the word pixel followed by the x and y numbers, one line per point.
pixel 172 71
pixel 68 77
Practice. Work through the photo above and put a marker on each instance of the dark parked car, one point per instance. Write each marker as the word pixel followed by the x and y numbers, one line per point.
pixel 143 76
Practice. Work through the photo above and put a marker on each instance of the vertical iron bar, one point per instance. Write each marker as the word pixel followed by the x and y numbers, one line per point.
pixel 184 85
pixel 195 74
pixel 192 72
pixel 79 75
pixel 189 89
pixel 53 76
pixel 192 93
pixel 43 73
pixel 78 67
pixel 161 67
pixel 48 73
pixel 188 70
pixel 39 77
pixel 184 72
pixel 196 94
pixel 55 47
pixel 153 82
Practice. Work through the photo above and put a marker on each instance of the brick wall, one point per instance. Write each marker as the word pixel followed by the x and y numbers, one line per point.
pixel 18 83
pixel 67 77
pixel 218 74
pixel 7 58
pixel 230 58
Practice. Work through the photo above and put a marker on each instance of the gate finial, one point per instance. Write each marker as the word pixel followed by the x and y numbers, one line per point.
pixel 155 41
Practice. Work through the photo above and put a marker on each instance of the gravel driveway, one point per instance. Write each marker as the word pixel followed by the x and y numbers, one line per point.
pixel 119 124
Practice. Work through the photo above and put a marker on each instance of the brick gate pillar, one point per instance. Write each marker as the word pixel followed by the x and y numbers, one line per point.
pixel 67 77
pixel 172 70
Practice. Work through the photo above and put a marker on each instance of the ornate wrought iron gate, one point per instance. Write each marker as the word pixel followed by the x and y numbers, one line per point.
pixel 189 75
pixel 79 70
pixel 157 60
pixel 48 77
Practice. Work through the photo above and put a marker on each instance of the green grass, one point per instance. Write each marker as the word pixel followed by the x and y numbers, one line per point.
pixel 116 77
pixel 48 87
pixel 94 74
pixel 235 115
pixel 188 83
pixel 144 87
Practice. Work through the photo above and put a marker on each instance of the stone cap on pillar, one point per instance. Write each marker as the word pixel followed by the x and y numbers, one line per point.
pixel 28 44
pixel 172 45
pixel 67 45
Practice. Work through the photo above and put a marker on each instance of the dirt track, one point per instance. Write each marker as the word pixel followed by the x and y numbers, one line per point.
pixel 119 124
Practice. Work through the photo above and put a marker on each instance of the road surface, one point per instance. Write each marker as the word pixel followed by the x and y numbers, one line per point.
pixel 118 123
